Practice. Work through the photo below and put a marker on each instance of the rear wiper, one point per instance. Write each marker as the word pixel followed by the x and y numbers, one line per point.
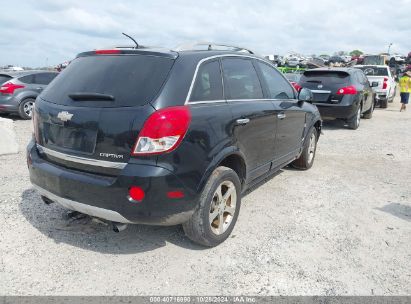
pixel 90 96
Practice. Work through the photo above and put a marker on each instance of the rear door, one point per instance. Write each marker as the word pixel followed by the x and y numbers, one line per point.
pixel 41 80
pixel 254 121
pixel 94 110
pixel 289 115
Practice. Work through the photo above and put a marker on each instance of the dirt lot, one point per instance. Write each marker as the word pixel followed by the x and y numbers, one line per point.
pixel 343 227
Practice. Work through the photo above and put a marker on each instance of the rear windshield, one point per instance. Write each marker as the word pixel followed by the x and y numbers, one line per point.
pixel 374 71
pixel 325 77
pixel 133 80
pixel 4 78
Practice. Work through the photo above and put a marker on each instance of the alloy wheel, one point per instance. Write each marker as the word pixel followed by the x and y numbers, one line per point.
pixel 223 207
pixel 28 108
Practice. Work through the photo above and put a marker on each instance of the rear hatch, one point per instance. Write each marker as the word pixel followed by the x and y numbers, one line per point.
pixel 325 84
pixel 89 117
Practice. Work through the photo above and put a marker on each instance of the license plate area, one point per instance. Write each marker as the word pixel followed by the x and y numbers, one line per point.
pixel 69 138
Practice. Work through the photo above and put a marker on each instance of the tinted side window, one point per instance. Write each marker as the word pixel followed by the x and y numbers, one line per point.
pixel 208 85
pixel 278 87
pixel 241 80
pixel 44 78
pixel 27 79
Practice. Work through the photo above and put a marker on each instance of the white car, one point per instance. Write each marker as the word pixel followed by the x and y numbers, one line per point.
pixel 386 89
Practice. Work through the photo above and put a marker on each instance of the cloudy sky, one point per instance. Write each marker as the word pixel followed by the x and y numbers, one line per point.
pixel 39 32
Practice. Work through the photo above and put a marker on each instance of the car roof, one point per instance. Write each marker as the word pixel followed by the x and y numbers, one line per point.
pixel 15 74
pixel 198 54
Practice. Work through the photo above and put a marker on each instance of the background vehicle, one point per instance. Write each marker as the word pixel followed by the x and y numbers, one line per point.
pixel 19 90
pixel 342 93
pixel 326 58
pixel 386 89
pixel 294 78
pixel 375 60
pixel 292 62
pixel 151 137
pixel 336 60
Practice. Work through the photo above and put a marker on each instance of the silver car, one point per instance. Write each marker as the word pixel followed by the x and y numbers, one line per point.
pixel 19 90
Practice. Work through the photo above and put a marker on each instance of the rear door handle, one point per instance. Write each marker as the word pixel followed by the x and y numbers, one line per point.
pixel 281 115
pixel 243 121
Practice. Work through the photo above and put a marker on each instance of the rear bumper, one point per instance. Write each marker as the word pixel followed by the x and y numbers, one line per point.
pixel 8 104
pixel 106 197
pixel 345 109
pixel 328 111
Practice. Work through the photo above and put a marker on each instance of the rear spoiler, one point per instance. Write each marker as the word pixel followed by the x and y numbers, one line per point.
pixel 121 51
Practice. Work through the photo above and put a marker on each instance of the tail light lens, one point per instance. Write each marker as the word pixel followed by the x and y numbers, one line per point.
pixel 385 84
pixel 9 88
pixel 350 90
pixel 35 125
pixel 296 86
pixel 163 131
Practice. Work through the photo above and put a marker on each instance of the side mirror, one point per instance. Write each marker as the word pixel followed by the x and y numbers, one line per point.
pixel 374 84
pixel 305 95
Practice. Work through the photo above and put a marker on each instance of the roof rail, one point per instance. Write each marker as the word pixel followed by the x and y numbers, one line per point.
pixel 212 46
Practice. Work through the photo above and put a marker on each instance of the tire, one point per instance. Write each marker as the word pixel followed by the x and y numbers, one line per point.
pixel 26 108
pixel 368 114
pixel 212 222
pixel 306 159
pixel 384 103
pixel 354 122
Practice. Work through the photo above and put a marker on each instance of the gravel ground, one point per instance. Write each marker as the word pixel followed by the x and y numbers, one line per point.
pixel 341 228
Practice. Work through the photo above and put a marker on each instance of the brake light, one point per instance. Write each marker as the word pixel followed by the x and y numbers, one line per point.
pixel 350 90
pixel 9 88
pixel 107 52
pixel 163 131
pixel 385 84
pixel 296 86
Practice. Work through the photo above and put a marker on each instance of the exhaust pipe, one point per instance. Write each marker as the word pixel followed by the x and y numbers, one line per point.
pixel 117 227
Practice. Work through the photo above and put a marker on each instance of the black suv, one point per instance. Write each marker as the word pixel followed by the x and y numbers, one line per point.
pixel 342 93
pixel 165 137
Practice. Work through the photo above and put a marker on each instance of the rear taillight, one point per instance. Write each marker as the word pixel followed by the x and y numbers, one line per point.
pixel 350 90
pixel 9 88
pixel 296 86
pixel 35 125
pixel 163 131
pixel 385 84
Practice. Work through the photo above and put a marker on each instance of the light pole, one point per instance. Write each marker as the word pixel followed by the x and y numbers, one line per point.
pixel 389 47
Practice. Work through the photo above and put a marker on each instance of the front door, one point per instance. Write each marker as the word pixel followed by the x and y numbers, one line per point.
pixel 289 114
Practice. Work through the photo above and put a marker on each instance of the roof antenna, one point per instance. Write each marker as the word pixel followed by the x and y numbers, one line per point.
pixel 131 39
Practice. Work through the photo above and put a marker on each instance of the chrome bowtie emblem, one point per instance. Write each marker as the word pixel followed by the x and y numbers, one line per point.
pixel 320 86
pixel 64 116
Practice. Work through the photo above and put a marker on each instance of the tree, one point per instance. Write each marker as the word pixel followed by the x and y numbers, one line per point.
pixel 356 53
